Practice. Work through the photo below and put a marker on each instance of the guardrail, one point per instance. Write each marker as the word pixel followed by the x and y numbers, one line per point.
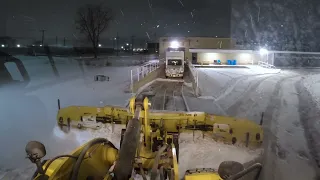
pixel 266 65
pixel 142 71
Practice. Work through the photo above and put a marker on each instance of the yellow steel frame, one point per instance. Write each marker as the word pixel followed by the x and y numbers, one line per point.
pixel 97 161
pixel 101 157
pixel 225 129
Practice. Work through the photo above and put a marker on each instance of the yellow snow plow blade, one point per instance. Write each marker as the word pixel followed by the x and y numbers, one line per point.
pixel 222 128
pixel 205 176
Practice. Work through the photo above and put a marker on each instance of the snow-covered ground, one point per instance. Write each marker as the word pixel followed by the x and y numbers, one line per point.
pixel 214 81
pixel 290 123
pixel 289 99
pixel 199 152
pixel 28 113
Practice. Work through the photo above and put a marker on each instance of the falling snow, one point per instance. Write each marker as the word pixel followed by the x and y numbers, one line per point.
pixel 148 35
pixel 122 12
pixel 181 3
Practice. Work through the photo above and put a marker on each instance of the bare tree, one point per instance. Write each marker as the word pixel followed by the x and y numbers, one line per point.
pixel 92 20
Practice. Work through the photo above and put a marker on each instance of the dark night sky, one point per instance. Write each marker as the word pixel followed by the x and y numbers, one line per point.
pixel 133 17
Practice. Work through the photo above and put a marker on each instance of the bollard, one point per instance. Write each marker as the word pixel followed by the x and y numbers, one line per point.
pixel 58 104
pixel 261 120
pixel 247 139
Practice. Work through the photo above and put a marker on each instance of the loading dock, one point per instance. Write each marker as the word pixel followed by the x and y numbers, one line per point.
pixel 224 57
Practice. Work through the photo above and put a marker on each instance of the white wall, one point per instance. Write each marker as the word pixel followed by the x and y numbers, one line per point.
pixel 242 58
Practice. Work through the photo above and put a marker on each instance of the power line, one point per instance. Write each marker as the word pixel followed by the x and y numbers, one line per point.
pixel 132 43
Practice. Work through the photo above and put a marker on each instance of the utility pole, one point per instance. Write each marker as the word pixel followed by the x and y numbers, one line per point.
pixel 132 42
pixel 117 44
pixel 155 36
pixel 156 47
pixel 42 41
pixel 56 40
pixel 113 43
pixel 155 42
pixel 64 41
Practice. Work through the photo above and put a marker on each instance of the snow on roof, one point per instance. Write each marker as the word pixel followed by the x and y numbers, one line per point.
pixel 219 51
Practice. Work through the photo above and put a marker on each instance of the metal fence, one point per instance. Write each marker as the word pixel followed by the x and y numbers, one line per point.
pixel 274 59
pixel 266 60
pixel 296 59
pixel 139 73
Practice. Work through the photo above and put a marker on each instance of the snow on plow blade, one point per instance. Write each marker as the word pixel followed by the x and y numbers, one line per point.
pixel 224 129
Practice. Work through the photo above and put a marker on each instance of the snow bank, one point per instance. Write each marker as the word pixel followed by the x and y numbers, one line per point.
pixel 206 153
pixel 29 113
pixel 312 83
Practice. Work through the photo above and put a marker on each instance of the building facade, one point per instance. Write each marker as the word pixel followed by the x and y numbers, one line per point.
pixel 209 50
pixel 194 43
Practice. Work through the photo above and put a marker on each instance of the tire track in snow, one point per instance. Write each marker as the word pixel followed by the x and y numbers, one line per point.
pixel 231 85
pixel 232 81
pixel 242 99
pixel 309 114
pixel 165 95
pixel 270 116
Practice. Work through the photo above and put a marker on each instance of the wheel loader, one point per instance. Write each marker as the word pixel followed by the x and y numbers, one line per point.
pixel 149 147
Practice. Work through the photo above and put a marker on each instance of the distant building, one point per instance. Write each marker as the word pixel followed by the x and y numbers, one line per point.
pixel 153 47
pixel 6 41
pixel 193 43
pixel 209 50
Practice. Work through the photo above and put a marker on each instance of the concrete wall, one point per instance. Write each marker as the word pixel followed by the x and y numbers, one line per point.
pixel 195 42
pixel 150 77
pixel 242 58
pixel 192 78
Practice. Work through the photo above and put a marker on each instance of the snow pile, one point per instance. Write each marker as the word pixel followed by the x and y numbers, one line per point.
pixel 312 83
pixel 21 173
pixel 199 152
pixel 29 113
pixel 261 70
pixel 108 131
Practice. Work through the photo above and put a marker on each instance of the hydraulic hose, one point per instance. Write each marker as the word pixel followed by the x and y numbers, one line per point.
pixel 154 169
pixel 246 171
pixel 76 167
pixel 128 150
